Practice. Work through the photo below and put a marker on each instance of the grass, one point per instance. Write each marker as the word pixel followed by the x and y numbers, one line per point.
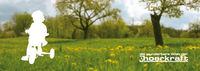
pixel 98 55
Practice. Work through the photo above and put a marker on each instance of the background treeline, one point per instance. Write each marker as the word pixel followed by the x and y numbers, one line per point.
pixel 62 27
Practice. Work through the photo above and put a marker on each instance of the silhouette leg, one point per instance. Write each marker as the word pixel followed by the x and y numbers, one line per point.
pixel 25 58
pixel 40 50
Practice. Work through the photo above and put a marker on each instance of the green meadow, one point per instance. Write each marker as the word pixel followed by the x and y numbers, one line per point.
pixel 99 55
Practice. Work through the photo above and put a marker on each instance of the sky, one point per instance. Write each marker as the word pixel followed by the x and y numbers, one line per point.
pixel 131 9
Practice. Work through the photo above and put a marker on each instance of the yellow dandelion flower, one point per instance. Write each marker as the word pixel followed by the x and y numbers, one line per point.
pixel 119 47
pixel 145 65
pixel 111 49
pixel 144 48
pixel 112 55
pixel 166 47
pixel 192 47
pixel 130 48
pixel 108 60
pixel 74 64
pixel 105 49
pixel 159 46
pixel 131 57
pixel 67 56
pixel 114 61
pixel 76 49
pixel 91 69
pixel 157 64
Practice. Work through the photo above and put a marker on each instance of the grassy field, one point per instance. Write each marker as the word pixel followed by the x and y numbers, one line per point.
pixel 99 55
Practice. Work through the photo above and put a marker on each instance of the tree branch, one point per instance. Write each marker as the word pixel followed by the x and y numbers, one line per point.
pixel 76 25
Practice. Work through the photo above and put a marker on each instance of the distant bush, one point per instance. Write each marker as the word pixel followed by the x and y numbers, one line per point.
pixel 8 34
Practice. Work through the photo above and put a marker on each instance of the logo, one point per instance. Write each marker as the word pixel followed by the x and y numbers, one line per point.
pixel 163 57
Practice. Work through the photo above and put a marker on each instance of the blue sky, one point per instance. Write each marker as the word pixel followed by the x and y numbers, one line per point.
pixel 131 9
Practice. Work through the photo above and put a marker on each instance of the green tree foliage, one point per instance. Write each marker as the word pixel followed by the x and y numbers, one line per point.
pixel 185 34
pixel 8 30
pixel 86 11
pixel 113 29
pixel 172 32
pixel 92 33
pixel 133 30
pixel 21 22
pixel 145 29
pixel 59 27
pixel 7 26
pixel 169 8
pixel 194 29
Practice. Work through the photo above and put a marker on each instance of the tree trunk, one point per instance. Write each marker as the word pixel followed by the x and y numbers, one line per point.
pixel 74 34
pixel 85 33
pixel 156 28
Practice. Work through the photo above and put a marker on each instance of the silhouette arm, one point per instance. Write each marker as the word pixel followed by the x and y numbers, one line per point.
pixel 27 31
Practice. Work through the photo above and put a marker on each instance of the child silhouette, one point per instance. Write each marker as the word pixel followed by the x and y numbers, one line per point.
pixel 37 33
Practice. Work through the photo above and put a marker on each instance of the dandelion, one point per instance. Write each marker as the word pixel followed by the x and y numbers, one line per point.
pixel 119 47
pixel 105 49
pixel 145 65
pixel 112 55
pixel 114 61
pixel 144 48
pixel 67 56
pixel 131 57
pixel 74 64
pixel 130 48
pixel 157 64
pixel 76 49
pixel 159 46
pixel 191 47
pixel 166 47
pixel 91 69
pixel 108 60
pixel 111 49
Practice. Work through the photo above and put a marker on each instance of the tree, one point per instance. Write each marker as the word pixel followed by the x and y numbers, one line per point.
pixel 21 22
pixel 115 28
pixel 8 26
pixel 169 8
pixel 57 27
pixel 195 28
pixel 86 11
pixel 144 31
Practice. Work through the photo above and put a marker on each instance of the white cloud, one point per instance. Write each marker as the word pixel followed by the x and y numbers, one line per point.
pixel 137 23
pixel 50 7
pixel 185 26
pixel 135 9
pixel 53 1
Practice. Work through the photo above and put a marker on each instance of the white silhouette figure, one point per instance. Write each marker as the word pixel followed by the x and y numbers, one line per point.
pixel 37 33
